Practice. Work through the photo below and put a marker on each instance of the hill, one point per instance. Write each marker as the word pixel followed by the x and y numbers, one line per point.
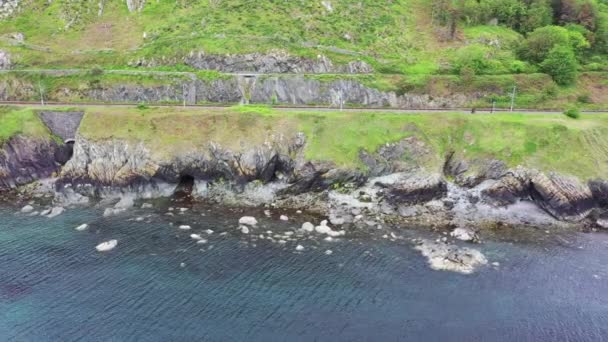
pixel 404 43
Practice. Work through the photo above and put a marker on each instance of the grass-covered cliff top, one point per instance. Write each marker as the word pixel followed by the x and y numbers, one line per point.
pixel 550 142
pixel 20 121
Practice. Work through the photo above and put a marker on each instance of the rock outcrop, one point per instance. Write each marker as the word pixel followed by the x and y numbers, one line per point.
pixel 24 160
pixel 5 60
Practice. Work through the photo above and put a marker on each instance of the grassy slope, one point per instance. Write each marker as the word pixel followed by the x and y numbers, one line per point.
pixel 546 142
pixel 22 121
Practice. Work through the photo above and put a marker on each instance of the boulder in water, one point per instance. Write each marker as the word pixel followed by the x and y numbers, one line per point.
pixel 107 246
pixel 27 209
pixel 445 257
pixel 248 221
pixel 56 211
pixel 464 234
pixel 284 218
pixel 244 230
pixel 299 248
pixel 308 227
pixel 82 227
pixel 185 227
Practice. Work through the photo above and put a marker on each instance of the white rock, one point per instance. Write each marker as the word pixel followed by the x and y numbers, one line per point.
pixel 45 212
pixel 56 211
pixel 322 229
pixel 209 231
pixel 446 257
pixel 185 227
pixel 196 237
pixel 183 210
pixel 248 220
pixel 27 209
pixel 323 223
pixel 328 252
pixel 146 206
pixel 308 227
pixel 464 234
pixel 284 218
pixel 298 211
pixel 267 213
pixel 201 241
pixel 139 219
pixel 329 238
pixel 182 265
pixel 299 248
pixel 125 202
pixel 107 246
pixel 244 230
pixel 82 227
pixel 112 211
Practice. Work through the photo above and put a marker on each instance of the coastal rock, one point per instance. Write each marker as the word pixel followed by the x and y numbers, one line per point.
pixel 563 197
pixel 248 220
pixel 464 234
pixel 112 212
pixel 82 227
pixel 56 211
pixel 107 246
pixel 284 218
pixel 444 257
pixel 308 227
pixel 26 159
pixel 27 209
pixel 415 189
pixel 185 227
pixel 599 189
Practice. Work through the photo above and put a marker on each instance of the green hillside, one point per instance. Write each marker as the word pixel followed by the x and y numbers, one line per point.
pixel 402 36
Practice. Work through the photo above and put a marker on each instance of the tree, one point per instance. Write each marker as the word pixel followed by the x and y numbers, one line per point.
pixel 539 14
pixel 561 64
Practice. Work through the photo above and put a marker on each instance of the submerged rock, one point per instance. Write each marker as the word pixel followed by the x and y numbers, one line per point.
pixel 107 246
pixel 112 212
pixel 299 248
pixel 445 257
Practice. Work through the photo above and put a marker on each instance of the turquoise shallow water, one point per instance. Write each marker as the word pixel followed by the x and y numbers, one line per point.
pixel 54 286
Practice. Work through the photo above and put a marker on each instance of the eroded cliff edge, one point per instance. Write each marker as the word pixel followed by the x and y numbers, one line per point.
pixel 355 168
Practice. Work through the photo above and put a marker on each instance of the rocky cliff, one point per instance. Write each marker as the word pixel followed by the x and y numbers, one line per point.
pixel 400 181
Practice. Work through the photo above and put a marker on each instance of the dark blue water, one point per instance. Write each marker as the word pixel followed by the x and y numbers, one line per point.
pixel 159 285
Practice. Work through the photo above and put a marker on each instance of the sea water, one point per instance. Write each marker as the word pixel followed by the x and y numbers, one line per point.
pixel 159 284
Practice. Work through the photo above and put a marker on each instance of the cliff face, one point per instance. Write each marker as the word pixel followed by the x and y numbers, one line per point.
pixel 405 179
pixel 24 160
pixel 280 89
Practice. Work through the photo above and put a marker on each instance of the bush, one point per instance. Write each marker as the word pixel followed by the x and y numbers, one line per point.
pixel 561 64
pixel 142 106
pixel 573 113
pixel 541 41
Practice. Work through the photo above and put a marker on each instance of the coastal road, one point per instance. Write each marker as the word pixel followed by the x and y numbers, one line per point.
pixel 295 108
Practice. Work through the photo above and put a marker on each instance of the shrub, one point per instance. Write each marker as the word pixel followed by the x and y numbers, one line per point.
pixel 561 64
pixel 142 106
pixel 541 41
pixel 573 113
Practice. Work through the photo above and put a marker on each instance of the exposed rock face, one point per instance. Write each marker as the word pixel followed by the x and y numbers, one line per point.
pixel 563 197
pixel 63 124
pixel 283 89
pixel 5 60
pixel 278 62
pixel 416 188
pixel 599 189
pixel 23 160
pixel 472 173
